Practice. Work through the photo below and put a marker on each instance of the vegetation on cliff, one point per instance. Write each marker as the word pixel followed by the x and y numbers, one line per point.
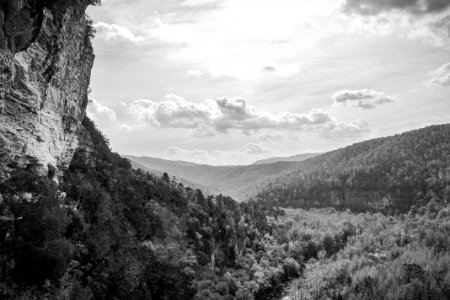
pixel 109 232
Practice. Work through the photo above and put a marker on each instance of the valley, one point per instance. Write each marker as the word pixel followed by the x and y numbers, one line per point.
pixel 79 221
pixel 239 182
pixel 384 174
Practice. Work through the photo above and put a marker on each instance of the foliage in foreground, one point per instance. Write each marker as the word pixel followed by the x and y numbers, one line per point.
pixel 109 232
pixel 386 257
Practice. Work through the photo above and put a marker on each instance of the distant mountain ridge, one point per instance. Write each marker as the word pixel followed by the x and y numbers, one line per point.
pixel 239 182
pixel 298 157
pixel 390 172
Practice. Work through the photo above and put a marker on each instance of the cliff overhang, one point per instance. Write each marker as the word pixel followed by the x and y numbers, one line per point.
pixel 45 63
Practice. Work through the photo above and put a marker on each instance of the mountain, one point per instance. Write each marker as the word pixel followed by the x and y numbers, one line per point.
pixel 381 174
pixel 299 157
pixel 239 182
pixel 108 231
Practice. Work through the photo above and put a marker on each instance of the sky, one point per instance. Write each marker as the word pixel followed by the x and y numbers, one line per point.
pixel 228 82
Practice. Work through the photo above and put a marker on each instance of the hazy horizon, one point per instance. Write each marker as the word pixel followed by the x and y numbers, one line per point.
pixel 215 165
pixel 231 82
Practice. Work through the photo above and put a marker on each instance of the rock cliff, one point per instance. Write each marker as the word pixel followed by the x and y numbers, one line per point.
pixel 45 63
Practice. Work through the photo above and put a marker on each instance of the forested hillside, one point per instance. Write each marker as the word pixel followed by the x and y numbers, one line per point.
pixel 207 190
pixel 381 174
pixel 111 232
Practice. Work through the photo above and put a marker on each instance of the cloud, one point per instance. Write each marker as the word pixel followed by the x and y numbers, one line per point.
pixel 174 112
pixel 219 115
pixel 269 69
pixel 194 73
pixel 428 20
pixel 269 137
pixel 346 130
pixel 253 148
pixel 441 26
pixel 374 7
pixel 110 120
pixel 100 113
pixel 440 77
pixel 177 151
pixel 114 31
pixel 363 99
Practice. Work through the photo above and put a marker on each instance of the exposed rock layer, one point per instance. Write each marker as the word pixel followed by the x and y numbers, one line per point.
pixel 45 63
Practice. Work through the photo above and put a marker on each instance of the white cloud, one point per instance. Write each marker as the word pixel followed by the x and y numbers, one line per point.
pixel 416 7
pixel 253 148
pixel 115 31
pixel 220 115
pixel 440 77
pixel 363 99
pixel 426 20
pixel 108 120
pixel 100 113
pixel 346 130
pixel 194 73
pixel 270 137
pixel 235 40
pixel 285 55
pixel 210 117
pixel 180 152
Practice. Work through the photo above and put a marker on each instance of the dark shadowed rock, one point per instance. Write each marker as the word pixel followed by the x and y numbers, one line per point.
pixel 20 21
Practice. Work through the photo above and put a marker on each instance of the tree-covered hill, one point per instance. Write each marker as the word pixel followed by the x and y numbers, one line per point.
pixel 108 231
pixel 207 190
pixel 385 173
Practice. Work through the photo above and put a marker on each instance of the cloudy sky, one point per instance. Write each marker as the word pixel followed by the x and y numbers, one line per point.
pixel 233 81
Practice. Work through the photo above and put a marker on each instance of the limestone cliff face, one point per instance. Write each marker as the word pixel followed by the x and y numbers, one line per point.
pixel 45 64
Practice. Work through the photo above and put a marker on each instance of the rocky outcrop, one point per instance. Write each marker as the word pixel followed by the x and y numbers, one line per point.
pixel 45 63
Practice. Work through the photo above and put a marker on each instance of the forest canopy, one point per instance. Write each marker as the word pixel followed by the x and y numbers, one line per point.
pixel 110 232
pixel 384 174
